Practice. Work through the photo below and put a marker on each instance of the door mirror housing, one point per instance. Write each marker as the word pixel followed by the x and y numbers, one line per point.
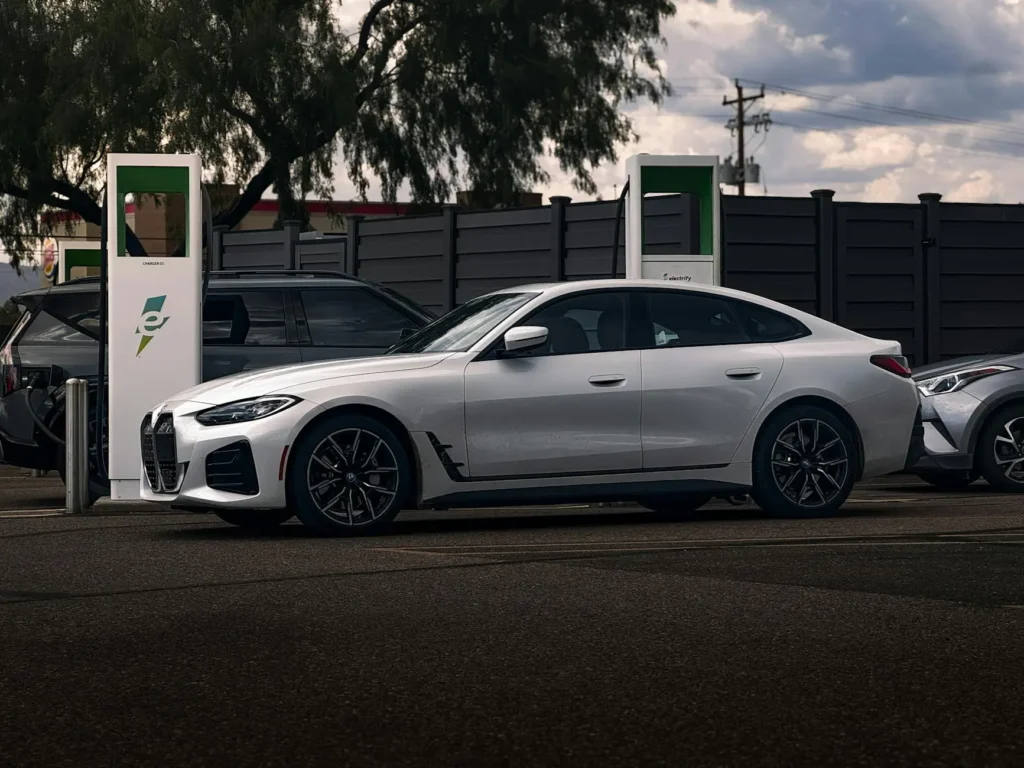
pixel 525 337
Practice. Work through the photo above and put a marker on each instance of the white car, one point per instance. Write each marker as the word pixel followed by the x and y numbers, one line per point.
pixel 662 393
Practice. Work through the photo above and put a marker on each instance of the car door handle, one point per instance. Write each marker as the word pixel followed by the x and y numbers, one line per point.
pixel 607 379
pixel 743 373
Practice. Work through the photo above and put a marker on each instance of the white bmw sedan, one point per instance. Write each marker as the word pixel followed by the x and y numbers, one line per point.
pixel 649 391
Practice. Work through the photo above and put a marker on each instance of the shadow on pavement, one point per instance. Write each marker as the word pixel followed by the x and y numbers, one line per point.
pixel 473 523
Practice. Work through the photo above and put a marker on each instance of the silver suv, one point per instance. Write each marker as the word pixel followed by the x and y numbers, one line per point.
pixel 251 320
pixel 973 414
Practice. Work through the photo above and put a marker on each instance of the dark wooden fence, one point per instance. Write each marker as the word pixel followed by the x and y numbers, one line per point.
pixel 943 279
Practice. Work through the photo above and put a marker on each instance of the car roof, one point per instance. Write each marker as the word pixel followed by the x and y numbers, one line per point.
pixel 575 286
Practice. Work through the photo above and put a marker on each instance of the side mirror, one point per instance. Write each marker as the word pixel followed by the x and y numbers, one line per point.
pixel 406 333
pixel 525 337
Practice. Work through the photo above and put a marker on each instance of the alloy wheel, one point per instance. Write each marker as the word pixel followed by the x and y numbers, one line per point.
pixel 810 463
pixel 1009 450
pixel 353 476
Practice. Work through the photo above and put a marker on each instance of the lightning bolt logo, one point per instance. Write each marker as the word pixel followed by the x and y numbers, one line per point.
pixel 152 320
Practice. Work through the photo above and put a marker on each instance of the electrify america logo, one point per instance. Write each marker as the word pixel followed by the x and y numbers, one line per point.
pixel 152 320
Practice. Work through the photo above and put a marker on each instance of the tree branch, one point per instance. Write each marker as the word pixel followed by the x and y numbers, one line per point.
pixel 363 46
pixel 77 202
pixel 249 120
pixel 251 195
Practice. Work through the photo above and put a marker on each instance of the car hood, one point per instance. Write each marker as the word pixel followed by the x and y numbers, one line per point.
pixel 279 380
pixel 952 366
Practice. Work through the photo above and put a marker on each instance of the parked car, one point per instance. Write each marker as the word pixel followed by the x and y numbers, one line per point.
pixel 973 414
pixel 251 320
pixel 583 391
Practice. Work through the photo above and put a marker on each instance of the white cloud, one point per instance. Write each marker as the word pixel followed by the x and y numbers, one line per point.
pixel 980 186
pixel 859 53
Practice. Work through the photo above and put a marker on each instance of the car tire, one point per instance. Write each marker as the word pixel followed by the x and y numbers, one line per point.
pixel 1000 463
pixel 255 519
pixel 682 505
pixel 949 481
pixel 814 475
pixel 340 494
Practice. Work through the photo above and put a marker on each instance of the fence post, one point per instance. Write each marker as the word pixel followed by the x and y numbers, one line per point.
pixel 291 229
pixel 932 276
pixel 351 265
pixel 76 445
pixel 826 248
pixel 216 252
pixel 558 206
pixel 449 255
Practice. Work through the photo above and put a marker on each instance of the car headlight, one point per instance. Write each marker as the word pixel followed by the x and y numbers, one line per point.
pixel 951 382
pixel 245 410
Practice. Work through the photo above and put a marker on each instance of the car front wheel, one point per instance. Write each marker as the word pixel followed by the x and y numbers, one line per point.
pixel 804 463
pixel 1000 450
pixel 349 476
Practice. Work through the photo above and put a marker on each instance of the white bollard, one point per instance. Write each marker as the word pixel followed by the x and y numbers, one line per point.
pixel 76 445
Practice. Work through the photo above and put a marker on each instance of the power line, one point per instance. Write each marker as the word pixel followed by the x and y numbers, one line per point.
pixel 869 121
pixel 916 113
pixel 944 147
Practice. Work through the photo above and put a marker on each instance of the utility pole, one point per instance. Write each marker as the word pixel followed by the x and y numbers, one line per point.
pixel 738 124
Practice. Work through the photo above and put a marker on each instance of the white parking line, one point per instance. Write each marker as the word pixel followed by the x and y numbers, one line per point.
pixel 17 513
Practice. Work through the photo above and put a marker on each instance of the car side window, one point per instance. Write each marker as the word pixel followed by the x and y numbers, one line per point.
pixel 590 322
pixel 352 317
pixel 681 319
pixel 766 325
pixel 245 318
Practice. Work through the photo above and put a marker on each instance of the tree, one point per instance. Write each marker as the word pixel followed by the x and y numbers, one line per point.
pixel 435 93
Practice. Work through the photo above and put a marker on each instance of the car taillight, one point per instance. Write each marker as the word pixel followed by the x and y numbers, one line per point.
pixel 10 376
pixel 893 364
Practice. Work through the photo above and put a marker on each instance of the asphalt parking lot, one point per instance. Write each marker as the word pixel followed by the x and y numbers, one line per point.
pixel 562 636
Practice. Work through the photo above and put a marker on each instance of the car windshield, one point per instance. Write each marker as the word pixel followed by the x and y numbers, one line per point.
pixel 464 326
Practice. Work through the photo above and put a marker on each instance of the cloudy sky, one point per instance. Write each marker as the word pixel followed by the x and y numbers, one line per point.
pixel 877 99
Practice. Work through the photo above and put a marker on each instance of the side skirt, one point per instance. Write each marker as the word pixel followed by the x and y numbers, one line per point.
pixel 631 490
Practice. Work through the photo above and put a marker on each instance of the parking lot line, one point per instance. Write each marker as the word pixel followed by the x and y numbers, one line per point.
pixel 16 513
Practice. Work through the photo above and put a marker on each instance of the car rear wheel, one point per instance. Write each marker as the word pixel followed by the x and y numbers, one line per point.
pixel 676 506
pixel 255 519
pixel 349 476
pixel 1000 450
pixel 804 463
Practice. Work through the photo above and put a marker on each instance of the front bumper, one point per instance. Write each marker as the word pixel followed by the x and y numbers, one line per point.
pixel 232 466
pixel 946 437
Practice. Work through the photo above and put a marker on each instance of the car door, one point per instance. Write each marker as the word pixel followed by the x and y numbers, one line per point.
pixel 704 379
pixel 348 322
pixel 571 407
pixel 245 330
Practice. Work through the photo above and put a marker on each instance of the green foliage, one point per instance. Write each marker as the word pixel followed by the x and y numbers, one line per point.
pixel 442 94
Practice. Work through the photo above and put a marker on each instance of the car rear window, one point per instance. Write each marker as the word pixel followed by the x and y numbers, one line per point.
pixel 65 318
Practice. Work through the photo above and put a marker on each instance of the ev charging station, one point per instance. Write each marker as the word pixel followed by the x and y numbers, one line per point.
pixel 154 316
pixel 72 254
pixel 674 174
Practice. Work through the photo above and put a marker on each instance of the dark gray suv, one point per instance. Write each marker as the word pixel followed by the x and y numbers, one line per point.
pixel 251 320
